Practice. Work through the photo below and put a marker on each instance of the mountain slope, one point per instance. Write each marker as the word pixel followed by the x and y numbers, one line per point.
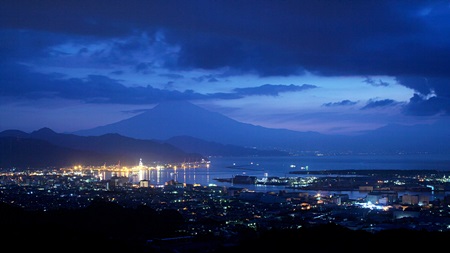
pixel 34 153
pixel 109 148
pixel 171 119
pixel 210 148
pixel 175 118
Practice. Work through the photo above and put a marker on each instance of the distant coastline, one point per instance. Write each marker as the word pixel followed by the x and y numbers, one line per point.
pixel 373 172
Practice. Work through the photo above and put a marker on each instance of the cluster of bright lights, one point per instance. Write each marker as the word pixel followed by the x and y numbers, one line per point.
pixel 397 182
pixel 371 206
pixel 444 179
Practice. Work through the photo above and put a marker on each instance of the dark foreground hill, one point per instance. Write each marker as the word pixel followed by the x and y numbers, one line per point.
pixel 326 238
pixel 107 227
pixel 101 227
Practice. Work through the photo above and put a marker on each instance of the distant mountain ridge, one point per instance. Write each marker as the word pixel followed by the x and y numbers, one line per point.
pixel 33 153
pixel 179 118
pixel 176 118
pixel 45 147
pixel 210 148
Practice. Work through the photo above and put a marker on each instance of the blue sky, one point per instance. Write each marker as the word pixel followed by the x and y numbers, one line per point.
pixel 335 67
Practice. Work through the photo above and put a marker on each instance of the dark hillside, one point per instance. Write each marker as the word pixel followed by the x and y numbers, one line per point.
pixel 108 227
pixel 46 148
pixel 33 153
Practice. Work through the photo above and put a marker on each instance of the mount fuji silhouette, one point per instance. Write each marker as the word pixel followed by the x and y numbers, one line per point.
pixel 181 118
pixel 173 119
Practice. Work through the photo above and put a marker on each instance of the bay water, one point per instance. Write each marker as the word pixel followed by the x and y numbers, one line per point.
pixel 228 167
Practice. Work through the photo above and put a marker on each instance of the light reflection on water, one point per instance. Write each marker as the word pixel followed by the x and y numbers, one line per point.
pixel 280 167
pixel 199 175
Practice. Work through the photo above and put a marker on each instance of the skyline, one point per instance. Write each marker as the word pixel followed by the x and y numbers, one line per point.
pixel 335 67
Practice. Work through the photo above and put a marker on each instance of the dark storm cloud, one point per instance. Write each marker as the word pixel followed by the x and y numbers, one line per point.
pixel 432 95
pixel 19 45
pixel 172 76
pixel 92 18
pixel 341 103
pixel 421 106
pixel 19 81
pixel 427 85
pixel 272 90
pixel 379 103
pixel 271 37
pixel 117 72
pixel 373 82
pixel 224 95
pixel 208 78
pixel 404 39
pixel 143 68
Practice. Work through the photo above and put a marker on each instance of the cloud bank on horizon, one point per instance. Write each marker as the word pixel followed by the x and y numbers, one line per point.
pixel 325 66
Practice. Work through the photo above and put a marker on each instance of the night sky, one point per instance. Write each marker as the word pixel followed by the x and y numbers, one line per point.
pixel 326 66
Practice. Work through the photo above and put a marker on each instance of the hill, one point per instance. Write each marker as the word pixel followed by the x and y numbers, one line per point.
pixel 107 226
pixel 45 147
pixel 33 153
